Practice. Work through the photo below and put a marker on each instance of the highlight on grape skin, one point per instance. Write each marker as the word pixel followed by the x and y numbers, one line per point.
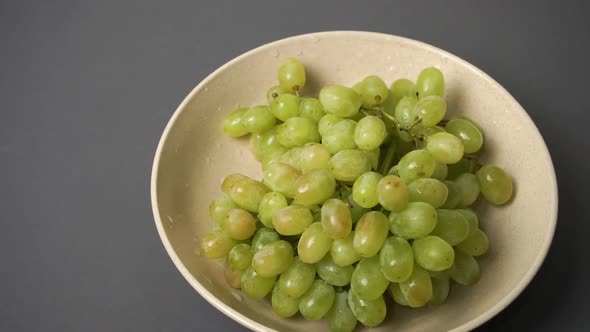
pixel 367 194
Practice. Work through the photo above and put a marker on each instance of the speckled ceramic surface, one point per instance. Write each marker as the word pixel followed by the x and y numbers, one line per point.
pixel 194 155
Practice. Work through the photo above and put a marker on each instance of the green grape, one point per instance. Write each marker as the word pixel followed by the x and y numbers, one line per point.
pixel 425 132
pixel 369 133
pixel 389 107
pixel 430 82
pixel 392 193
pixel 340 100
pixel 342 251
pixel 333 273
pixel 281 178
pixel 336 218
pixel 219 208
pixel 298 131
pixel 440 290
pixel 239 224
pixel 314 244
pixel 462 166
pixel 217 243
pixel 297 279
pixel 471 218
pixel 368 282
pixel 314 156
pixel 445 148
pixel 396 259
pixel 370 233
pixel 417 289
pixel 465 270
pixel 374 157
pixel 348 165
pixel 451 226
pixel 248 194
pixel 468 132
pixel 417 220
pixel 469 188
pixel 274 92
pixel 364 190
pixel 258 119
pixel 232 124
pixel 429 191
pixel 401 88
pixel 240 257
pixel 405 113
pixel 292 220
pixel 271 202
pixel 317 301
pixel 455 195
pixel 269 143
pixel 415 165
pixel 431 110
pixel 262 237
pixel 397 295
pixel 340 136
pixel 311 108
pixel 476 244
pixel 283 305
pixel 292 157
pixel 356 211
pixel 232 278
pixel 255 142
pixel 433 253
pixel 314 187
pixel 441 171
pixel 291 75
pixel 255 286
pixel 373 91
pixel 230 180
pixel 285 106
pixel 273 259
pixel 326 122
pixel 340 317
pixel 495 184
pixel 369 312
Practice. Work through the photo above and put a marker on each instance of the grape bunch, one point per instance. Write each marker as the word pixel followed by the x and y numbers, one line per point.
pixel 365 195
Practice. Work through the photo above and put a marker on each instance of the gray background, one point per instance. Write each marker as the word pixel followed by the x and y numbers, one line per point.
pixel 86 89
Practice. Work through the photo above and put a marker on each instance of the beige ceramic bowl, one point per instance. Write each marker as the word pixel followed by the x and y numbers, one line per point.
pixel 194 155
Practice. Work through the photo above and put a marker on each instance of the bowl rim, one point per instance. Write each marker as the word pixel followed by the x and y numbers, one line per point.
pixel 254 325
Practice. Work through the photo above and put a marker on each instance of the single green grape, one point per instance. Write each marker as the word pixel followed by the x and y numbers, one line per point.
pixel 396 259
pixel 285 106
pixel 217 243
pixel 314 187
pixel 273 259
pixel 292 157
pixel 368 282
pixel 219 208
pixel 272 155
pixel 405 113
pixel 451 226
pixel 348 165
pixel 397 295
pixel 255 286
pixel 415 165
pixel 469 189
pixel 232 278
pixel 314 156
pixel 333 273
pixel 495 184
pixel 465 270
pixel 274 92
pixel 291 75
pixel 269 143
pixel 417 289
pixel 392 193
pixel 340 318
pixel 428 190
pixel 281 178
pixel 262 237
pixel 455 195
pixel 311 108
pixel 230 180
pixel 314 244
pixel 298 131
pixel 441 171
pixel 471 218
pixel 317 301
pixel 440 290
pixel 401 88
pixel 369 133
pixel 370 233
pixel 342 251
pixel 417 220
pixel 340 100
pixel 340 136
pixel 467 132
pixel 373 91
pixel 292 220
pixel 364 190
pixel 240 257
pixel 232 124
pixel 258 119
pixel 297 279
pixel 430 82
pixel 431 110
pixel 445 148
pixel 336 218
pixel 239 224
pixel 433 253
pixel 476 244
pixel 271 202
pixel 248 194
pixel 326 122
pixel 369 312
pixel 283 305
